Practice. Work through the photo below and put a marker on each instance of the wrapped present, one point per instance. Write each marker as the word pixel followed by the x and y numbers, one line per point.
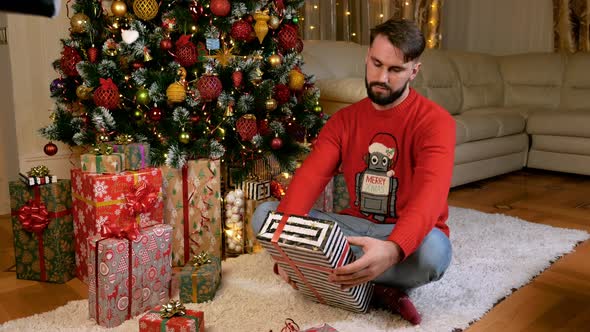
pixel 251 244
pixel 129 271
pixel 200 278
pixel 255 189
pixel 137 155
pixel 326 200
pixel 172 317
pixel 98 198
pixel 309 249
pixel 38 175
pixel 43 231
pixel 341 197
pixel 102 163
pixel 192 206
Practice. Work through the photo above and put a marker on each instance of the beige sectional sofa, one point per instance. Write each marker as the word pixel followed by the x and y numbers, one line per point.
pixel 511 111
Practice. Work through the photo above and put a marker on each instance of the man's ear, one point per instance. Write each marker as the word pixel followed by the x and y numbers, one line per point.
pixel 415 69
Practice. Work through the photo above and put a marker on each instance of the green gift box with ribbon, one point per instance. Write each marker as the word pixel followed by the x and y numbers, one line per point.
pixel 137 155
pixel 200 278
pixel 102 163
pixel 43 231
pixel 172 317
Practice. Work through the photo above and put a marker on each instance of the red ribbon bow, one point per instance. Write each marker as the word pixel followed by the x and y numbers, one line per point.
pixel 112 229
pixel 183 40
pixel 34 217
pixel 106 83
pixel 141 200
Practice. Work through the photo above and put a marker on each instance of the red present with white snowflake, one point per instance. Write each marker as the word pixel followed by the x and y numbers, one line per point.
pixel 128 277
pixel 188 321
pixel 100 198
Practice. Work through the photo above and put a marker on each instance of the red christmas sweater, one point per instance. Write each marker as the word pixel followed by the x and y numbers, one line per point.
pixel 397 164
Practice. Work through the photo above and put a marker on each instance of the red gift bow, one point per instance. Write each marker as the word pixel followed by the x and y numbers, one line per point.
pixel 183 40
pixel 112 229
pixel 141 200
pixel 34 217
pixel 106 83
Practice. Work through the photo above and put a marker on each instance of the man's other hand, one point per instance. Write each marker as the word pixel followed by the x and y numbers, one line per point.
pixel 379 255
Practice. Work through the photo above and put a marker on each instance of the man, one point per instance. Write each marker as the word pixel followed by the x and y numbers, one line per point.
pixel 395 149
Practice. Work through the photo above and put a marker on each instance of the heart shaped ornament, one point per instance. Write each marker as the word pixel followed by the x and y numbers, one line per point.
pixel 129 36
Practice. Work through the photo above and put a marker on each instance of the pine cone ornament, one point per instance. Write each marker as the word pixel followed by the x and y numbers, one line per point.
pixel 282 93
pixel 92 54
pixel 237 78
pixel 288 37
pixel 107 94
pixel 69 59
pixel 241 30
pixel 246 127
pixel 220 7
pixel 186 51
pixel 209 87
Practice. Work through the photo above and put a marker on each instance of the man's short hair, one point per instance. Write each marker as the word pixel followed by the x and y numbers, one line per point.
pixel 403 34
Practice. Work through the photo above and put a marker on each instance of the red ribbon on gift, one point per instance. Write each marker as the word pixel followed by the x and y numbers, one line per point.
pixel 113 229
pixel 141 200
pixel 286 259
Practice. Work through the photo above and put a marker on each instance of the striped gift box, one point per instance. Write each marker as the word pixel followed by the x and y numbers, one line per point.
pixel 309 249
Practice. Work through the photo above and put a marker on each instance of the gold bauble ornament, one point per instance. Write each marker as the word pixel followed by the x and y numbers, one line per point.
pixel 271 104
pixel 138 114
pixel 318 108
pixel 274 60
pixel 176 93
pixel 296 80
pixel 83 92
pixel 274 22
pixel 261 26
pixel 145 9
pixel 119 8
pixel 142 96
pixel 184 137
pixel 79 22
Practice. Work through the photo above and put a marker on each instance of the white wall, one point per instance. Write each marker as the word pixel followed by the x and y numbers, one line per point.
pixel 498 27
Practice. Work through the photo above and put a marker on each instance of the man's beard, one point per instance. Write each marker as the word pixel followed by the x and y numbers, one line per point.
pixel 384 99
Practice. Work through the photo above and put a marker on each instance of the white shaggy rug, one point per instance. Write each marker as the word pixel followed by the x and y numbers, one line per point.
pixel 493 254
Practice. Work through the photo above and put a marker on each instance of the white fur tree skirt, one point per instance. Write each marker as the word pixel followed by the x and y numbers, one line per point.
pixel 492 254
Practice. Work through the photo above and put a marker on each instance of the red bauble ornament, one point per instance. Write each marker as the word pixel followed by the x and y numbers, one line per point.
pixel 246 127
pixel 299 46
pixel 241 30
pixel 288 37
pixel 282 93
pixel 137 65
pixel 220 7
pixel 276 189
pixel 194 118
pixel 92 54
pixel 196 10
pixel 166 44
pixel 50 149
pixel 155 114
pixel 209 87
pixel 237 77
pixel 107 94
pixel 186 51
pixel 276 143
pixel 249 18
pixel 69 60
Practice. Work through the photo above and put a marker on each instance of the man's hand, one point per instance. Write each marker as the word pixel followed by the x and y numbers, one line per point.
pixel 379 255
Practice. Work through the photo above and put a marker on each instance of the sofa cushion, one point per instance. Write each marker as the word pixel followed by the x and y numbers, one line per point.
pixel 523 111
pixel 570 123
pixel 561 144
pixel 576 87
pixel 481 82
pixel 350 90
pixel 475 127
pixel 532 79
pixel 438 80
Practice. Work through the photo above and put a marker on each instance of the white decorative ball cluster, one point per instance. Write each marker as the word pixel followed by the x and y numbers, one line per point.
pixel 234 220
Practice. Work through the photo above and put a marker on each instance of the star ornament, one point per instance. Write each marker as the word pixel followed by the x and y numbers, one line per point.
pixel 224 56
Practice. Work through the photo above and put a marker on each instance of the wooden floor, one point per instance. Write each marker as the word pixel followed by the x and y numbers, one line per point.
pixel 557 300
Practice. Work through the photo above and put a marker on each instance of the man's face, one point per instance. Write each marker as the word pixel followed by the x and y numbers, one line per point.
pixel 387 75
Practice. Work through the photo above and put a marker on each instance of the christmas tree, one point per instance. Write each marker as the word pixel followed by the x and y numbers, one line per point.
pixel 194 79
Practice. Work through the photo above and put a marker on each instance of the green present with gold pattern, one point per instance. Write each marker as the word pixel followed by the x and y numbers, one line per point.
pixel 43 231
pixel 200 278
pixel 137 155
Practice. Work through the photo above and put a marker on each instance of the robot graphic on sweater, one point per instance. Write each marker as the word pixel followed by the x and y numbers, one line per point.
pixel 376 186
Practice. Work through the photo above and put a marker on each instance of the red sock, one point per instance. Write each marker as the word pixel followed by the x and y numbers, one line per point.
pixel 397 302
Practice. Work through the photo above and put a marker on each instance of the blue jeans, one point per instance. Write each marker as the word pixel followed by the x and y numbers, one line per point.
pixel 428 263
